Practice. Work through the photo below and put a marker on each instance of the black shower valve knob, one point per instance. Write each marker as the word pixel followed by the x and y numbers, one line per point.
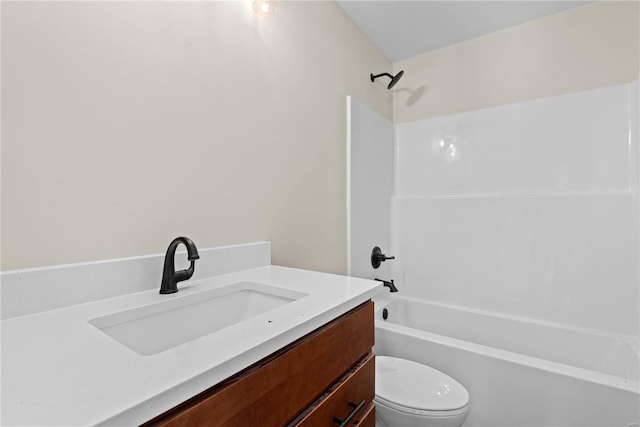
pixel 377 257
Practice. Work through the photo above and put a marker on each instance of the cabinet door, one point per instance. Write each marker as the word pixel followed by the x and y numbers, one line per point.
pixel 349 399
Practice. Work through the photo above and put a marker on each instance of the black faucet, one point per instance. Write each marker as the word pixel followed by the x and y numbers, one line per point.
pixel 171 277
pixel 389 284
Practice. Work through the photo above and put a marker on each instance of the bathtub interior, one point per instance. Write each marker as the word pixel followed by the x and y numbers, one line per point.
pixel 504 392
pixel 591 350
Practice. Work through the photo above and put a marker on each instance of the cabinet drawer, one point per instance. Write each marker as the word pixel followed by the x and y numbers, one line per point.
pixel 275 390
pixel 368 418
pixel 357 387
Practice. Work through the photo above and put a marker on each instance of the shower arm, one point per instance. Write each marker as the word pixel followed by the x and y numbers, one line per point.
pixel 380 75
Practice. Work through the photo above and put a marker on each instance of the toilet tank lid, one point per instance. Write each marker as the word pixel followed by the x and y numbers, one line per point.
pixel 417 386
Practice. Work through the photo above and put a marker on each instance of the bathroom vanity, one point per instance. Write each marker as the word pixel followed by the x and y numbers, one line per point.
pixel 242 343
pixel 326 378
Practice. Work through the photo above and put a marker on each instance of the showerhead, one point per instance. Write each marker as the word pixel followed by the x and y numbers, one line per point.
pixel 394 79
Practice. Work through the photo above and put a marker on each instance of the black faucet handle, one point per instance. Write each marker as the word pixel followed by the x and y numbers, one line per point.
pixel 182 275
pixel 377 257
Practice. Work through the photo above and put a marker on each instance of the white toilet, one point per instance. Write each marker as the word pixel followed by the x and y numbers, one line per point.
pixel 410 394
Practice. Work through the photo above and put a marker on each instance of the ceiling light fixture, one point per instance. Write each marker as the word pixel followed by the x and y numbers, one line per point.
pixel 264 7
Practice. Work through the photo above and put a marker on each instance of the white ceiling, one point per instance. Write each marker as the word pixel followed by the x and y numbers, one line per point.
pixel 406 28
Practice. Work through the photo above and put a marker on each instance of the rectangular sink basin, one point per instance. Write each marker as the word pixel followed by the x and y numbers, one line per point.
pixel 158 327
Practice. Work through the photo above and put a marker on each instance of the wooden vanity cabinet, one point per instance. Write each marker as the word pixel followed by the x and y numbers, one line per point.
pixel 317 381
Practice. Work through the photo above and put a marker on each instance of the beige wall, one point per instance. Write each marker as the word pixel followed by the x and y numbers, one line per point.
pixel 587 47
pixel 125 124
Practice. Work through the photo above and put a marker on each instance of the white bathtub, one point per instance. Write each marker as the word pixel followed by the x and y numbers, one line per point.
pixel 519 372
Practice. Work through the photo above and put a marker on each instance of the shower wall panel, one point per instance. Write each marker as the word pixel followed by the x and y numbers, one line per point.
pixel 370 185
pixel 528 209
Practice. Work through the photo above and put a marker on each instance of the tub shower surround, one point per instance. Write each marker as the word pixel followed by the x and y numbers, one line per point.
pixel 516 234
pixel 370 180
pixel 527 209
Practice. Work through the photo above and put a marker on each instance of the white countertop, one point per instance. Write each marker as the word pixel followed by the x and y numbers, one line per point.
pixel 58 369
